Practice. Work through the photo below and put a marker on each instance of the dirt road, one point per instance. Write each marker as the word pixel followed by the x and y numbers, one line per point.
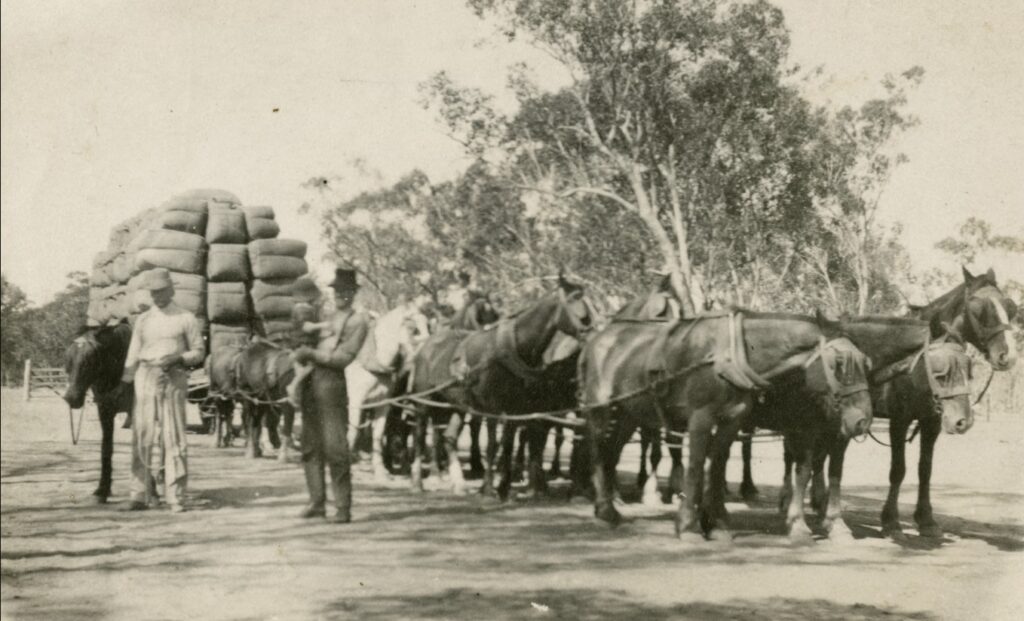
pixel 241 554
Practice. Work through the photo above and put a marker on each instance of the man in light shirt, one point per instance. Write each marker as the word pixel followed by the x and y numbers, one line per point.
pixel 166 341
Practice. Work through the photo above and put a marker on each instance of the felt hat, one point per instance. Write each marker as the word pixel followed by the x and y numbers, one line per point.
pixel 344 280
pixel 157 278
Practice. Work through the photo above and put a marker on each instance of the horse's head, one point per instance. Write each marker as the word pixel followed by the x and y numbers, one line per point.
pixel 576 315
pixel 95 360
pixel 987 314
pixel 82 366
pixel 840 371
pixel 944 373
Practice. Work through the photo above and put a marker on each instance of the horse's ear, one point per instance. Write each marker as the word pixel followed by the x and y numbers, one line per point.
pixel 991 275
pixel 563 282
pixel 968 276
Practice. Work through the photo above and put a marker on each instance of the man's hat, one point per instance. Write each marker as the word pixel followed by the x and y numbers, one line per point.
pixel 344 280
pixel 305 289
pixel 157 278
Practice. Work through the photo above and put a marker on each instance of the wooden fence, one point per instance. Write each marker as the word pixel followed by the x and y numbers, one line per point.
pixel 43 381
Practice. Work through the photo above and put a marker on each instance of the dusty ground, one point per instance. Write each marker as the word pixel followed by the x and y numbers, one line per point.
pixel 241 553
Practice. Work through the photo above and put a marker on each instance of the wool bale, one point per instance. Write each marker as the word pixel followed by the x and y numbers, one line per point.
pixel 120 269
pixel 96 313
pixel 100 277
pixel 261 228
pixel 226 225
pixel 259 211
pixel 166 239
pixel 122 234
pixel 227 302
pixel 277 247
pixel 184 220
pixel 184 261
pixel 224 335
pixel 220 196
pixel 181 282
pixel 274 306
pixel 266 288
pixel 192 301
pixel 228 263
pixel 270 267
pixel 139 301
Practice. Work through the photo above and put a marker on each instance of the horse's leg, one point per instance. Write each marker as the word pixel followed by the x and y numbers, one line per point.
pixel 716 518
pixel 641 475
pixel 897 470
pixel 796 523
pixel 520 463
pixel 476 465
pixel 287 416
pixel 688 525
pixel 677 478
pixel 599 445
pixel 833 521
pixel 253 422
pixel 418 432
pixel 649 491
pixel 820 493
pixel 926 524
pixel 788 460
pixel 555 472
pixel 580 466
pixel 748 491
pixel 380 419
pixel 451 445
pixel 107 419
pixel 508 439
pixel 536 434
pixel 271 419
pixel 487 487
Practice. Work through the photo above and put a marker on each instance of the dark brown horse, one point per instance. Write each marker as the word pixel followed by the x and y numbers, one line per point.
pixel 95 361
pixel 885 342
pixel 697 376
pixel 257 376
pixel 497 371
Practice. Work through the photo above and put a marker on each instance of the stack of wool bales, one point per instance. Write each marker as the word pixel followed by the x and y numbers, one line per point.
pixel 226 263
pixel 109 297
pixel 276 263
pixel 228 273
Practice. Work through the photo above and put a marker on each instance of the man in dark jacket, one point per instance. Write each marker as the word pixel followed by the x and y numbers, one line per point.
pixel 325 402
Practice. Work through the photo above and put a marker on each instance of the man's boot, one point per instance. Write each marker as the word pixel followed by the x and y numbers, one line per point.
pixel 314 469
pixel 341 485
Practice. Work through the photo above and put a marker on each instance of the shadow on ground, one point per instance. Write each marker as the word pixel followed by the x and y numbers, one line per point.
pixel 585 604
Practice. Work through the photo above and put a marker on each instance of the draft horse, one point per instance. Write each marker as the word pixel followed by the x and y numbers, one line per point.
pixel 498 370
pixel 699 376
pixel 95 361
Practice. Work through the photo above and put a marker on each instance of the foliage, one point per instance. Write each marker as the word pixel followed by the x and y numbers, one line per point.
pixel 41 333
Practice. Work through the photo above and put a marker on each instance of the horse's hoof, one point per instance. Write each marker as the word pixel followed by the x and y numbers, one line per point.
pixel 720 536
pixel 800 534
pixel 894 532
pixel 99 499
pixel 749 494
pixel 931 531
pixel 609 515
pixel 838 532
pixel 690 538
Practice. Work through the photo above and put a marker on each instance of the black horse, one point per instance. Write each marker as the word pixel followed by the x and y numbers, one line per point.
pixel 95 361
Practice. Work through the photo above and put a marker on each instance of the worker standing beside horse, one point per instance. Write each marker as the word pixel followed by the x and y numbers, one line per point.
pixel 324 398
pixel 165 342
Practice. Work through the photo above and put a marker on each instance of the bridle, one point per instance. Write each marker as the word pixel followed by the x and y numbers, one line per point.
pixel 984 334
pixel 579 329
pixel 907 365
pixel 827 353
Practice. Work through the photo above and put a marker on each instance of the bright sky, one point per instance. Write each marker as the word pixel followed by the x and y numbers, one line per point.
pixel 112 106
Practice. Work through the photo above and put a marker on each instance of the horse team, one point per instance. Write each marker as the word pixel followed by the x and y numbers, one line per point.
pixel 817 381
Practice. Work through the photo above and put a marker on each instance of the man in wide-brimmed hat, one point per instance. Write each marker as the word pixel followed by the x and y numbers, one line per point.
pixel 166 341
pixel 325 402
